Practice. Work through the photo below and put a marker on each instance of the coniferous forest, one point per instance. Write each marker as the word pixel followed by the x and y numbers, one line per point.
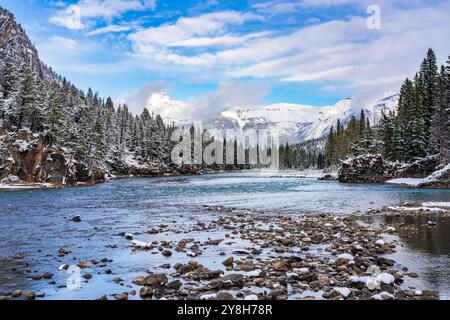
pixel 419 128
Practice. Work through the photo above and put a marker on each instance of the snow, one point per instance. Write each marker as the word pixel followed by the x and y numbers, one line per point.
pixel 208 296
pixel 251 297
pixel 413 182
pixel 423 208
pixel 141 245
pixel 295 121
pixel 253 274
pixel 436 204
pixel 435 176
pixel 383 296
pixel 380 242
pixel 386 278
pixel 345 292
pixel 346 256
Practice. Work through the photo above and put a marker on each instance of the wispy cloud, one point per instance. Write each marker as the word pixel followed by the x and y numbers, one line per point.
pixel 76 16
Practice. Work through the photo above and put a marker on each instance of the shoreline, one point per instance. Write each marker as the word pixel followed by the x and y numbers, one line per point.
pixel 256 257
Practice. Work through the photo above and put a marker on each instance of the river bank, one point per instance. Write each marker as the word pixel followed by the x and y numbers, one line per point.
pixel 239 255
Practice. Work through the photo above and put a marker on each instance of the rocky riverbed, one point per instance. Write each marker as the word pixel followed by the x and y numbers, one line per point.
pixel 240 255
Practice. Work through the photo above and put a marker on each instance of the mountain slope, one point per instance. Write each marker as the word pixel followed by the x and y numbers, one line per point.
pixel 295 122
pixel 15 45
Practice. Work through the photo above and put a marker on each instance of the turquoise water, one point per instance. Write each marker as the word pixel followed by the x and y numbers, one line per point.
pixel 38 222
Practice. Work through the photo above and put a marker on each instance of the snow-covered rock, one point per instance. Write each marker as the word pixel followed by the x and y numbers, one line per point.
pixel 386 278
pixel 345 292
pixel 439 179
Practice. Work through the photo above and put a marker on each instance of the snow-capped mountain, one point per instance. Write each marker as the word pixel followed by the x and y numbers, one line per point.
pixel 295 122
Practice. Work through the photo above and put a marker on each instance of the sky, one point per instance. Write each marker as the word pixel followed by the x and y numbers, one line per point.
pixel 241 52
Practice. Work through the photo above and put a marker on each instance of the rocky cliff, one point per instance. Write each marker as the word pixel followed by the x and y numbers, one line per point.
pixel 29 158
pixel 375 169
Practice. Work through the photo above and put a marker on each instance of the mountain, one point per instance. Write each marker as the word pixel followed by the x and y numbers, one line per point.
pixel 15 45
pixel 295 122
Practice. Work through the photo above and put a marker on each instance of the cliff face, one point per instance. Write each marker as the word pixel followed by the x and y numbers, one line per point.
pixel 15 45
pixel 29 158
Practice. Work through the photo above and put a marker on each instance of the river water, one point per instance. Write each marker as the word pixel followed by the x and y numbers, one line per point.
pixel 36 223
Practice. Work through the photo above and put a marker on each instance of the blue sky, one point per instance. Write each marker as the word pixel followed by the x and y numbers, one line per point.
pixel 298 51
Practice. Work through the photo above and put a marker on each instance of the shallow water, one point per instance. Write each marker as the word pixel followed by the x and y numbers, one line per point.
pixel 38 222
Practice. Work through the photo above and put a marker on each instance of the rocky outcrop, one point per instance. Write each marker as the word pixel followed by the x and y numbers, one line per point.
pixel 368 169
pixel 28 158
pixel 438 180
pixel 420 168
pixel 375 169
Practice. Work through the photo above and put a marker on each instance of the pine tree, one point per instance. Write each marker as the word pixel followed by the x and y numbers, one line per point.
pixel 26 98
pixel 429 75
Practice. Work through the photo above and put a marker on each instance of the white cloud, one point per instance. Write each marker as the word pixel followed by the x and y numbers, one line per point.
pixel 110 29
pixel 230 94
pixel 204 30
pixel 137 100
pixel 74 16
pixel 66 42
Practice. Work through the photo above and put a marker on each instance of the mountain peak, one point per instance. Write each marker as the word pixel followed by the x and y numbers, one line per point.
pixel 16 46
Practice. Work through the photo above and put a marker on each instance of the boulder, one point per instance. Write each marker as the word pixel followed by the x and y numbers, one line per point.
pixel 368 169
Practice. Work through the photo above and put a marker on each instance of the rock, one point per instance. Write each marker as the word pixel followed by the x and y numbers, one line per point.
pixel 367 169
pixel 87 276
pixel 121 296
pixel 228 262
pixel 174 285
pixel 327 177
pixel 83 265
pixel 118 280
pixel 153 231
pixel 76 219
pixel 18 256
pixel 245 266
pixel 139 281
pixel 280 265
pixel 103 298
pixel 48 275
pixel 166 253
pixel 37 277
pixel 381 261
pixel 146 292
pixel 205 274
pixel 29 295
pixel 224 296
pixel 227 282
pixel 344 292
pixel 62 252
pixel 128 236
pixel 155 280
pixel 386 278
pixel 344 259
pixel 437 180
pixel 16 293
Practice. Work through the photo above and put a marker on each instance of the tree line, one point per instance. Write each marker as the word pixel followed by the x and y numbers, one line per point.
pixel 91 128
pixel 420 127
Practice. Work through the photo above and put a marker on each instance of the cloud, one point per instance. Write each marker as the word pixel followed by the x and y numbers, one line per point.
pixel 75 16
pixel 138 99
pixel 66 42
pixel 205 30
pixel 230 94
pixel 110 29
